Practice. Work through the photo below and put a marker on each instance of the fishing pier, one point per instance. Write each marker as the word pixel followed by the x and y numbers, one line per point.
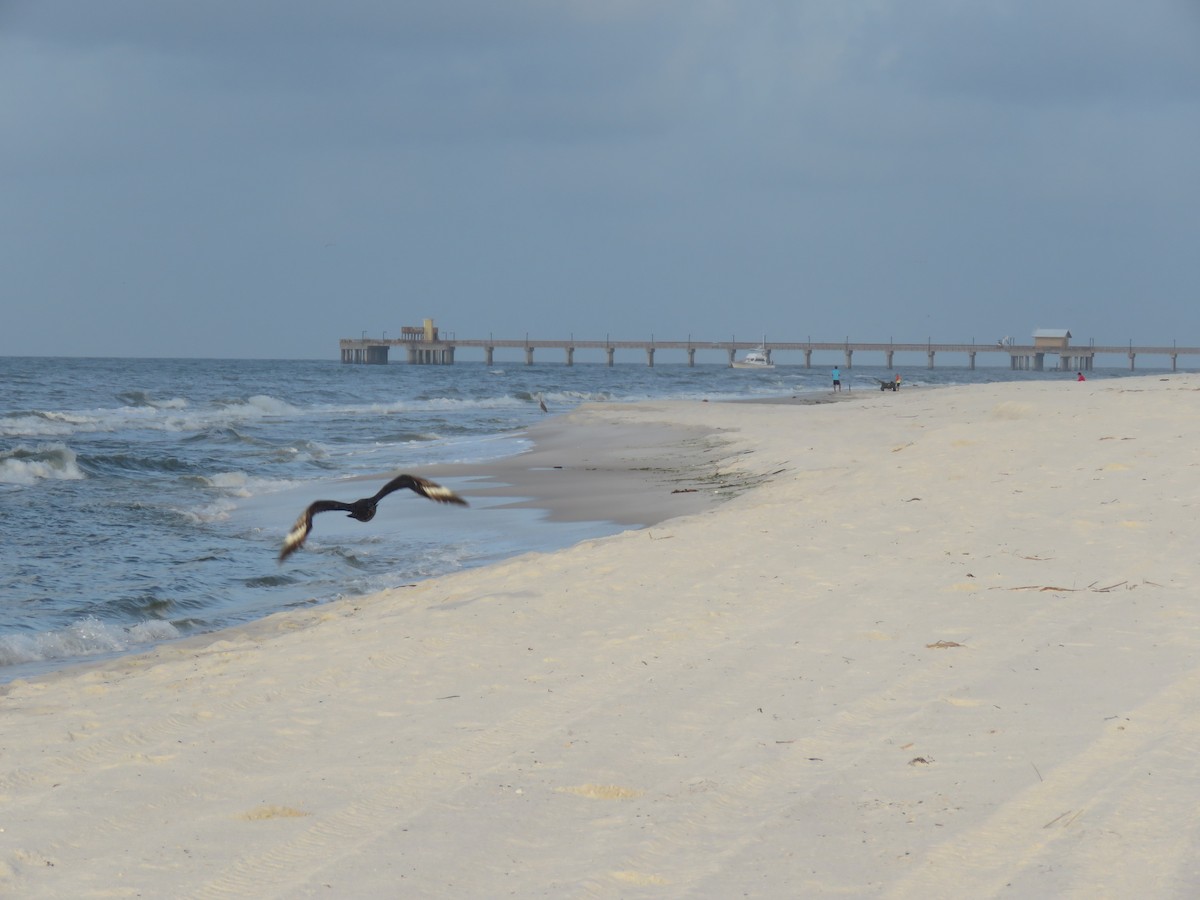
pixel 426 346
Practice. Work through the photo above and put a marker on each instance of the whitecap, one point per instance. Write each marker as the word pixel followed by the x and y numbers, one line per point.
pixel 239 484
pixel 261 405
pixel 25 465
pixel 235 481
pixel 218 511
pixel 44 424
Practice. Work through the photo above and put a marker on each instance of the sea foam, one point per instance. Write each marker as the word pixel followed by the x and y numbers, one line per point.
pixel 25 465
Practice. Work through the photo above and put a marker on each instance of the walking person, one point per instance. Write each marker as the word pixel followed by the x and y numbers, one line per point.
pixel 837 378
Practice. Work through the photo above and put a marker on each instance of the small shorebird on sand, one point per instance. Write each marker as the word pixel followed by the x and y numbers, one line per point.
pixel 364 510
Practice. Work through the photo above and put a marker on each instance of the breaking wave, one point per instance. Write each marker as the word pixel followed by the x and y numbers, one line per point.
pixel 25 465
pixel 143 412
pixel 86 637
pixel 143 398
pixel 239 484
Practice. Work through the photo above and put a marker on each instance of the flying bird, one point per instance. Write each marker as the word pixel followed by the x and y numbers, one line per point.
pixel 363 510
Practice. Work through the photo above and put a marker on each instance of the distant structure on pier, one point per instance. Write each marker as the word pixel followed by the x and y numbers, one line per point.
pixel 1057 341
pixel 425 345
pixel 422 344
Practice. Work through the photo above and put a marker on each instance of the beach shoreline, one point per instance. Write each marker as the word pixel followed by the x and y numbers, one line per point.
pixel 934 644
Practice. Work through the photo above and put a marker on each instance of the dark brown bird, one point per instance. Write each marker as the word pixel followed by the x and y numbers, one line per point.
pixel 364 510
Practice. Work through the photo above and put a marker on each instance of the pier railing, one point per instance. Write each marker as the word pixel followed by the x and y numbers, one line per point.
pixel 442 351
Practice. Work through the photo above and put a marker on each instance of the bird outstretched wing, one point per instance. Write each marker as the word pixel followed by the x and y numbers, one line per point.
pixel 299 533
pixel 422 486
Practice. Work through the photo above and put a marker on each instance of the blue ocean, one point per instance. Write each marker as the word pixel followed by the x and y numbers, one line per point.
pixel 143 500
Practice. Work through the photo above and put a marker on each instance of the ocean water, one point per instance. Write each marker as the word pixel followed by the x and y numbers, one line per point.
pixel 142 500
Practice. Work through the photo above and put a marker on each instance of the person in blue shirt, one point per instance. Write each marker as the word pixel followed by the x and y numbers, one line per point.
pixel 837 378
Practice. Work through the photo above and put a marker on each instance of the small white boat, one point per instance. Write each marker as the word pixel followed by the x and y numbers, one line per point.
pixel 755 359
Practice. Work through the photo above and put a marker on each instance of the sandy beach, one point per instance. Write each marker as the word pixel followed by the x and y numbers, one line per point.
pixel 939 643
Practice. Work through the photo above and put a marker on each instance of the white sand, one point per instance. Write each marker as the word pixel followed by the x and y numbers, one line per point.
pixel 951 650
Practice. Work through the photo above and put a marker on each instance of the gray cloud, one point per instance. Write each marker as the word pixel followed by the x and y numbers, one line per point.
pixel 261 178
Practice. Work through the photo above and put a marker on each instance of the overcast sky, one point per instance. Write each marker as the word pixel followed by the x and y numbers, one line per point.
pixel 257 178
